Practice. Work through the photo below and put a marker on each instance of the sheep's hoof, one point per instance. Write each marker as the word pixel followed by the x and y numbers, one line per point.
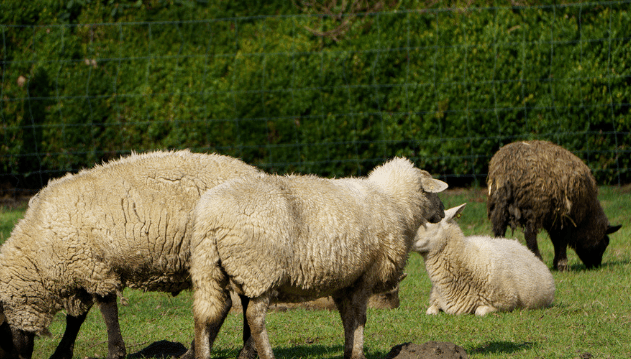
pixel 562 265
pixel 433 310
pixel 190 354
pixel 247 352
pixel 484 310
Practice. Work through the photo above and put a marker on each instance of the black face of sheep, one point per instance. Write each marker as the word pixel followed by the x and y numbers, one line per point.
pixel 592 255
pixel 437 204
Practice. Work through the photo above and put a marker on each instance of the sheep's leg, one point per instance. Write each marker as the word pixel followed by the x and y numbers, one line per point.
pixel 353 313
pixel 249 350
pixel 484 310
pixel 560 252
pixel 499 227
pixel 434 307
pixel 432 310
pixel 210 308
pixel 255 313
pixel 65 348
pixel 16 343
pixel 531 240
pixel 115 343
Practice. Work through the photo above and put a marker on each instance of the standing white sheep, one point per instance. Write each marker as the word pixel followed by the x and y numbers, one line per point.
pixel 85 237
pixel 302 237
pixel 480 274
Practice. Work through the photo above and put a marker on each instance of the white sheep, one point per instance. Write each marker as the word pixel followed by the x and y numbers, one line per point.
pixel 480 274
pixel 87 236
pixel 296 238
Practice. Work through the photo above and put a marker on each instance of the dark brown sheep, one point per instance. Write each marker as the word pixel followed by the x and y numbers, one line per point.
pixel 539 185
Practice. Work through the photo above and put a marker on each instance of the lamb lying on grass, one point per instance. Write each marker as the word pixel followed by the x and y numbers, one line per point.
pixel 297 238
pixel 85 237
pixel 480 274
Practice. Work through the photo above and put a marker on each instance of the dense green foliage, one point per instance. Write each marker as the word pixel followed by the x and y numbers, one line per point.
pixel 88 80
pixel 590 313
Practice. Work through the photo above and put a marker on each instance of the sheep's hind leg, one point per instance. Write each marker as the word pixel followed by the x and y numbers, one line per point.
pixel 249 350
pixel 65 348
pixel 115 343
pixel 353 313
pixel 210 311
pixel 531 240
pixel 255 313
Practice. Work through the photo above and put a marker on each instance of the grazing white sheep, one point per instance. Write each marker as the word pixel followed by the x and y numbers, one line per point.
pixel 296 238
pixel 480 274
pixel 87 236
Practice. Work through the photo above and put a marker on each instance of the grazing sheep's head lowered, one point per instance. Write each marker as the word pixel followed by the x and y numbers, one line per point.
pixel 539 185
pixel 87 236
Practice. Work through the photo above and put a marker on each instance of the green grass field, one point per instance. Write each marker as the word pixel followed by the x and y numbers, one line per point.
pixel 591 311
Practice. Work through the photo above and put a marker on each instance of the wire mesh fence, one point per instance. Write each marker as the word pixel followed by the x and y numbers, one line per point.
pixel 444 87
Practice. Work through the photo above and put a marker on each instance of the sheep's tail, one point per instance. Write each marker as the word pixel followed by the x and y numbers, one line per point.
pixel 210 282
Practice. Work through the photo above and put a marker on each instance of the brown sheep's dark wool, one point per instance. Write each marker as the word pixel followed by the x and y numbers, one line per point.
pixel 539 185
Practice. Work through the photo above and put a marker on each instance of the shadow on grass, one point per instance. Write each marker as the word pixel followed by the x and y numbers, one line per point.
pixel 580 267
pixel 308 350
pixel 166 349
pixel 616 263
pixel 500 347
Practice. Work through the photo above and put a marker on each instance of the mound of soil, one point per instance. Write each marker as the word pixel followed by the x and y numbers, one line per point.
pixel 161 349
pixel 429 350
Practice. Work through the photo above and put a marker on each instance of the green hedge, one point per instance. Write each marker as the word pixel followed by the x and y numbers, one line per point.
pixel 444 87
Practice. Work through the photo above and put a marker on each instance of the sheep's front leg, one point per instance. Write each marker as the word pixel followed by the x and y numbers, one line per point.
pixel 434 306
pixel 531 240
pixel 484 310
pixel 65 348
pixel 353 313
pixel 115 343
pixel 255 314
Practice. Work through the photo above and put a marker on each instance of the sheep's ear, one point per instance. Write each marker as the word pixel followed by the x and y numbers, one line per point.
pixel 613 229
pixel 454 212
pixel 2 317
pixel 433 185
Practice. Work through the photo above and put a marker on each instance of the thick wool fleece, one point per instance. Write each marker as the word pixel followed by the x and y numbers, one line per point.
pixel 307 237
pixel 539 185
pixel 126 223
pixel 481 274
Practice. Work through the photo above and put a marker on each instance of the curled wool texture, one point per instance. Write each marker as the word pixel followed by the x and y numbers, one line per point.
pixel 307 237
pixel 126 223
pixel 542 185
pixel 470 272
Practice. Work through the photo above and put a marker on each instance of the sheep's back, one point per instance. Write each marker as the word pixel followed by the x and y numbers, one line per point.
pixel 517 272
pixel 481 270
pixel 540 184
pixel 302 235
pixel 124 223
